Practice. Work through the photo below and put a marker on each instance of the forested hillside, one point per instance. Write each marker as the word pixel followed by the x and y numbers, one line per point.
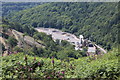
pixel 10 8
pixel 58 59
pixel 96 21
pixel 63 50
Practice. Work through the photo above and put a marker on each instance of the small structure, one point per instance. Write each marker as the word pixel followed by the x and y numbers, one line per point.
pixel 81 40
pixel 85 43
pixel 91 49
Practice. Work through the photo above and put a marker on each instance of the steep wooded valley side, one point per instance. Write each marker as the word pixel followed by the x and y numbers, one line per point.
pixel 29 54
pixel 96 21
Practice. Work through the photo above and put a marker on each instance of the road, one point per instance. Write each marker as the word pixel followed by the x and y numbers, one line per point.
pixel 57 34
pixel 101 48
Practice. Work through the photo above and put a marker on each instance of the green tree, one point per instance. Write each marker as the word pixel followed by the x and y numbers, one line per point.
pixel 62 55
pixel 3 47
pixel 12 42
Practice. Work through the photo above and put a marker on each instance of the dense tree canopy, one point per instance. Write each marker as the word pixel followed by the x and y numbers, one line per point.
pixel 9 7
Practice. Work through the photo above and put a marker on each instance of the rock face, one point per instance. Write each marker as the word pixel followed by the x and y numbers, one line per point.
pixel 27 39
pixel 27 42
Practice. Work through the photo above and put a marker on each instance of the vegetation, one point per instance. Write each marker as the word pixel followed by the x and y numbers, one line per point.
pixel 8 8
pixel 52 48
pixel 12 42
pixel 59 59
pixel 3 47
pixel 21 66
pixel 96 21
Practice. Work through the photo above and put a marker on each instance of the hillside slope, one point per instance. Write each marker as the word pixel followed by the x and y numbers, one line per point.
pixel 9 8
pixel 31 41
pixel 97 21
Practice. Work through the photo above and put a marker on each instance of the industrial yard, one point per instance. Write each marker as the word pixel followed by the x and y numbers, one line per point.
pixel 78 42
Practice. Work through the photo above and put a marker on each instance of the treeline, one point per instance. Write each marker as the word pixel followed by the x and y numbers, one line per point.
pixel 11 7
pixel 96 21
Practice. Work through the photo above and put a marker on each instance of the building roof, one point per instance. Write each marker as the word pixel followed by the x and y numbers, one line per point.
pixel 91 49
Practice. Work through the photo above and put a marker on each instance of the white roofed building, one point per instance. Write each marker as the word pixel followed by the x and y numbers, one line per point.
pixel 91 49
